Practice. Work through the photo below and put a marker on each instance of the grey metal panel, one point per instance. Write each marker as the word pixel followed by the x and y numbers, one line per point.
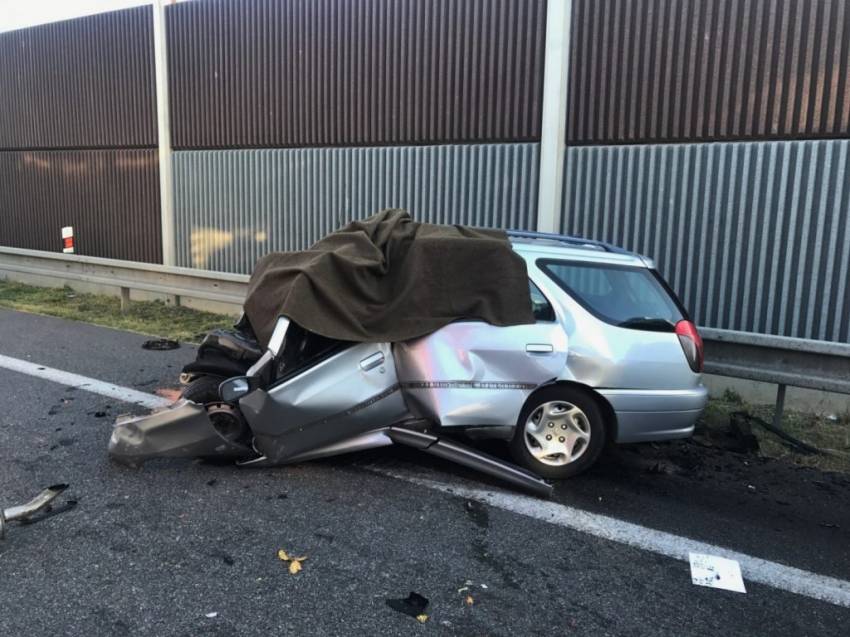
pixel 688 70
pixel 754 236
pixel 282 73
pixel 83 83
pixel 232 206
pixel 110 197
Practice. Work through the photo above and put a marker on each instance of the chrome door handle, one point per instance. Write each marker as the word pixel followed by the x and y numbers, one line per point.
pixel 539 348
pixel 371 362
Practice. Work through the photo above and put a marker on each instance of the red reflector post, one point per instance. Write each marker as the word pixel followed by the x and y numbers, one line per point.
pixel 68 240
pixel 691 344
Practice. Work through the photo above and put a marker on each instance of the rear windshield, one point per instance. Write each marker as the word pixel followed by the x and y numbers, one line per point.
pixel 626 296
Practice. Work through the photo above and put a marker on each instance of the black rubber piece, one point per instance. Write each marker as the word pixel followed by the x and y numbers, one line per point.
pixel 203 390
pixel 160 344
pixel 801 446
pixel 413 605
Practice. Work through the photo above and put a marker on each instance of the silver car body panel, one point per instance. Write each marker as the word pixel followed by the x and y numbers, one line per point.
pixel 349 393
pixel 470 373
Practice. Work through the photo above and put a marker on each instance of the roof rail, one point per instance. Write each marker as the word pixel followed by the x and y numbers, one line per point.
pixel 564 238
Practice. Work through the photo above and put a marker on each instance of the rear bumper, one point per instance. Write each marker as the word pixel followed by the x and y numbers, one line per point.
pixel 644 415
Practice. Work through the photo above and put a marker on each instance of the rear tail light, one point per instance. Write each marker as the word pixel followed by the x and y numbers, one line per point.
pixel 691 344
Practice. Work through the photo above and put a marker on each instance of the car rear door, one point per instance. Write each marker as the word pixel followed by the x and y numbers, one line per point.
pixel 472 373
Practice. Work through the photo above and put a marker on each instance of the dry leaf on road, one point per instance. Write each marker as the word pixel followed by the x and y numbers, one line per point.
pixel 294 562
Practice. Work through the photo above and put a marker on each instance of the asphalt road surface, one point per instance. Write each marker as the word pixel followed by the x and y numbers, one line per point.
pixel 186 548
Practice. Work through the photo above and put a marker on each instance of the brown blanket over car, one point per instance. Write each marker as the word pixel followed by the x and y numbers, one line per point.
pixel 388 278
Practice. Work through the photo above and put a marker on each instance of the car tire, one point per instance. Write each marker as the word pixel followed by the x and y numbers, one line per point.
pixel 203 390
pixel 553 411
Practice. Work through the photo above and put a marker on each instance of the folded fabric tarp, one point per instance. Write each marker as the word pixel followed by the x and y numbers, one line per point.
pixel 388 278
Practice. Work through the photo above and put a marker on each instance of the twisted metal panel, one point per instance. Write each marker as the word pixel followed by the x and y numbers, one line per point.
pixel 110 197
pixel 233 206
pixel 283 73
pixel 753 236
pixel 689 70
pixel 83 83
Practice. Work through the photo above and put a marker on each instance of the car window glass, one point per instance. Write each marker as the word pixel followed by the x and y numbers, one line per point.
pixel 622 295
pixel 539 304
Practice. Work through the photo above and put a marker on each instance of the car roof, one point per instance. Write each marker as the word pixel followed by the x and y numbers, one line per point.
pixel 574 249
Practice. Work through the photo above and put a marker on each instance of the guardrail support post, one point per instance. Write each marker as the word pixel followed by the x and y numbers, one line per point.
pixel 166 189
pixel 780 406
pixel 125 299
pixel 553 130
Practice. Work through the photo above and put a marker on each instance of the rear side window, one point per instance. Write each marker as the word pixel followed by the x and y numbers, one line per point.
pixel 539 304
pixel 625 296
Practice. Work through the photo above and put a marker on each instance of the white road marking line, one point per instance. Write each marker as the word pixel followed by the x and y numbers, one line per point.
pixel 754 569
pixel 124 394
pixel 786 578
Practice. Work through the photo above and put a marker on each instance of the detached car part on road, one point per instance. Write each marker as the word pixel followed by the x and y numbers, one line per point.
pixel 610 355
pixel 23 512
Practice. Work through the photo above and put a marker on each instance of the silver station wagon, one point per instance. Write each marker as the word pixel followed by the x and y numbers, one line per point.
pixel 626 358
pixel 611 356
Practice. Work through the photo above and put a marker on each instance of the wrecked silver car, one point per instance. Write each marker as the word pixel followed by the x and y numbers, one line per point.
pixel 393 332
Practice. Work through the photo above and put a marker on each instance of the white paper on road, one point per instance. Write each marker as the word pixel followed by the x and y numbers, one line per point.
pixel 716 572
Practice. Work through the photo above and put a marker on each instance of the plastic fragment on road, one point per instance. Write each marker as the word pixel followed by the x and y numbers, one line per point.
pixel 469 584
pixel 211 615
pixel 716 572
pixel 413 605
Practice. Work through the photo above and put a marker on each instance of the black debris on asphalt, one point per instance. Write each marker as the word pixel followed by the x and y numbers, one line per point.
pixel 160 344
pixel 413 605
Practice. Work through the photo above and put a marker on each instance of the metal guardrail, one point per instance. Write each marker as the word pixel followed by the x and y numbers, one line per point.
pixel 780 360
pixel 123 276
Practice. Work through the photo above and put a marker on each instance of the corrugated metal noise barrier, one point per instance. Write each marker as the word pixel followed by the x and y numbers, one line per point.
pixel 233 206
pixel 753 236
